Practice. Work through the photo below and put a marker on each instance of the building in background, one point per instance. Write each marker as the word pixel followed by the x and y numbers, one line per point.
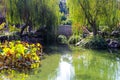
pixel 63 7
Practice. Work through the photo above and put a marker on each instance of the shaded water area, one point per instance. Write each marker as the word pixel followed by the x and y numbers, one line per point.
pixel 72 64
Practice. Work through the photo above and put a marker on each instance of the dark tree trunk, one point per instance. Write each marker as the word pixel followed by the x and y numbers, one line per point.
pixel 29 25
pixel 22 29
pixel 94 28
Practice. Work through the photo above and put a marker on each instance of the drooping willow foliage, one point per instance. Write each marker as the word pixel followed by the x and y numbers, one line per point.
pixel 94 13
pixel 35 13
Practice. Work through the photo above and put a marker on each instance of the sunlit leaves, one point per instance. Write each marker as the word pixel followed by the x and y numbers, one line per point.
pixel 19 54
pixel 39 12
pixel 2 26
pixel 99 12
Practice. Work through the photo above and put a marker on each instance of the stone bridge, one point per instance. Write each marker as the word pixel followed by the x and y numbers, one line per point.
pixel 65 30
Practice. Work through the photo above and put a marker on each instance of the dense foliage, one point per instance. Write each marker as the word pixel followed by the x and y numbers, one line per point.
pixel 62 39
pixel 94 13
pixel 34 14
pixel 74 39
pixel 18 55
pixel 94 42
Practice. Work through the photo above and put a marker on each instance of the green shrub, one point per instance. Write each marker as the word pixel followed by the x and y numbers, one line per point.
pixel 94 42
pixel 61 39
pixel 66 22
pixel 74 39
pixel 20 55
pixel 63 18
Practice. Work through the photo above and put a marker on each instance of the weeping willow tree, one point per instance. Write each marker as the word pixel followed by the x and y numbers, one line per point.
pixel 93 13
pixel 1 7
pixel 33 13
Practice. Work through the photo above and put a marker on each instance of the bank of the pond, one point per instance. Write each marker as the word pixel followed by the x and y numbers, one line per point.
pixel 49 65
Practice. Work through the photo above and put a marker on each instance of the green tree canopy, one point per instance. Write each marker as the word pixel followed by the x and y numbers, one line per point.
pixel 94 13
pixel 33 13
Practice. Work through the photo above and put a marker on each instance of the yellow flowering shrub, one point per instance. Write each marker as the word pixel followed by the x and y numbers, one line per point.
pixel 17 54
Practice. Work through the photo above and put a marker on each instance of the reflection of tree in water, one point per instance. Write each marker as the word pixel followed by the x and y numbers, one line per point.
pixel 66 69
pixel 97 67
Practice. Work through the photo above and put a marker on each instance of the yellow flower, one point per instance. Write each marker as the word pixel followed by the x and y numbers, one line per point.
pixel 20 48
pixel 39 45
pixel 6 50
pixel 32 45
pixel 13 50
pixel 11 44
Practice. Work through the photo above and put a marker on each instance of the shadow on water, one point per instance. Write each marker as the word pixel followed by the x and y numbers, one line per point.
pixel 61 49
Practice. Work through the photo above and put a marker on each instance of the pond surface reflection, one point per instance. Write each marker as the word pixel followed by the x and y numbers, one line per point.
pixel 65 70
pixel 96 65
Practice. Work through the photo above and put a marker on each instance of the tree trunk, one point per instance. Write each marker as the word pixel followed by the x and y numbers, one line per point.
pixel 94 28
pixel 22 29
pixel 29 25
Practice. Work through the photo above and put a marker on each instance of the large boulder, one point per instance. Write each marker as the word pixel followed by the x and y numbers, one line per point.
pixel 113 43
pixel 115 33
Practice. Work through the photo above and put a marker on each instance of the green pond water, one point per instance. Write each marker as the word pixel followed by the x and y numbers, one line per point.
pixel 96 65
pixel 72 64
